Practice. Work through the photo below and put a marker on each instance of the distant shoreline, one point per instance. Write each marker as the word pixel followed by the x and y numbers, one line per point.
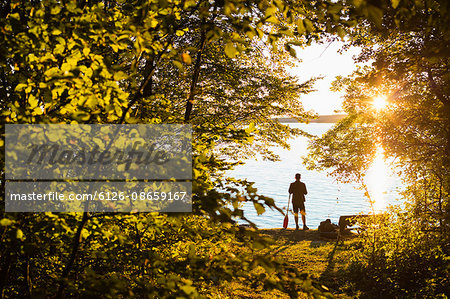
pixel 321 119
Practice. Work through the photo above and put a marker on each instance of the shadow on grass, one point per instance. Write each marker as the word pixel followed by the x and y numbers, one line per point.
pixel 331 262
pixel 323 258
pixel 293 236
pixel 289 237
pixel 341 280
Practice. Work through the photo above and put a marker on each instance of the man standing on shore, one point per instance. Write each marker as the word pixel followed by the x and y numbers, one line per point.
pixel 298 191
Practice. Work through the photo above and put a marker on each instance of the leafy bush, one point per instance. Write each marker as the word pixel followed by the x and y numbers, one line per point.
pixel 401 255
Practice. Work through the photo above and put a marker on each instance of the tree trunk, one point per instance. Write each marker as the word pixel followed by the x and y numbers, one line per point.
pixel 195 76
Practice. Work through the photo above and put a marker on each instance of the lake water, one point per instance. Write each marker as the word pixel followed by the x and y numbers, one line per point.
pixel 326 198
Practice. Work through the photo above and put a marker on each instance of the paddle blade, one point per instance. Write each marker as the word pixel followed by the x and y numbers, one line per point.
pixel 285 222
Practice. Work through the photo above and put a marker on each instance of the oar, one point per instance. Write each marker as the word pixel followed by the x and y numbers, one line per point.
pixel 286 218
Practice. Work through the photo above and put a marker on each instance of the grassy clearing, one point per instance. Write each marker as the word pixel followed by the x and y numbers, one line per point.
pixel 322 259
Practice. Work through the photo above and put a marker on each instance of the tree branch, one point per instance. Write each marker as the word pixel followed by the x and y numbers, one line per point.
pixel 195 76
pixel 143 88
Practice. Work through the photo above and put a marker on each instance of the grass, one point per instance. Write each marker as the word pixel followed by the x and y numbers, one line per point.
pixel 322 259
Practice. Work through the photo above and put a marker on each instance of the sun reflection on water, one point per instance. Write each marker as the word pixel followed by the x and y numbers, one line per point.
pixel 377 181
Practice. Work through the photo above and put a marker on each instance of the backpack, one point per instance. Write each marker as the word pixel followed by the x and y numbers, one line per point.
pixel 326 226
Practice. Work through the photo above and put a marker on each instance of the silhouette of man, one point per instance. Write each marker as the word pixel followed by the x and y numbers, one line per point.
pixel 298 191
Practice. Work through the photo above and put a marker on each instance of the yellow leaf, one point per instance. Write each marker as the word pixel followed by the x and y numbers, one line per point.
pixel 91 101
pixel 273 20
pixel 20 87
pixel 59 49
pixel 154 23
pixel 395 3
pixel 55 10
pixel 86 51
pixel 33 101
pixel 178 64
pixel 270 11
pixel 19 234
pixel 38 111
pixel 120 76
pixel 51 72
pixel 65 67
pixel 15 16
pixel 6 222
pixel 250 34
pixel 230 50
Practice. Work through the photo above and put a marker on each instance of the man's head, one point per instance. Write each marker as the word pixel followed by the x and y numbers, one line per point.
pixel 298 176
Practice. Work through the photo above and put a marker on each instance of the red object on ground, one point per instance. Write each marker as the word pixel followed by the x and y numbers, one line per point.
pixel 286 218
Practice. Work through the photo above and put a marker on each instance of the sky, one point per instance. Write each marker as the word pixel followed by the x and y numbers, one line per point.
pixel 323 60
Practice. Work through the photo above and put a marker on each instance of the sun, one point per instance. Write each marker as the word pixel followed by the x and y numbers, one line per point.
pixel 379 102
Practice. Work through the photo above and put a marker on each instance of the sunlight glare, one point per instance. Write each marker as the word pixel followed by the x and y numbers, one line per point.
pixel 379 103
pixel 376 180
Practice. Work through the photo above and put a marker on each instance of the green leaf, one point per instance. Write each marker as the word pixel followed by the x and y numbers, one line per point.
pixel 189 3
pixel 81 116
pixel 250 34
pixel 271 10
pixel 178 64
pixel 55 10
pixel 188 289
pixel 340 32
pixel 376 15
pixel 259 208
pixel 272 19
pixel 291 50
pixel 163 3
pixel 230 50
pixel 15 16
pixel 309 25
